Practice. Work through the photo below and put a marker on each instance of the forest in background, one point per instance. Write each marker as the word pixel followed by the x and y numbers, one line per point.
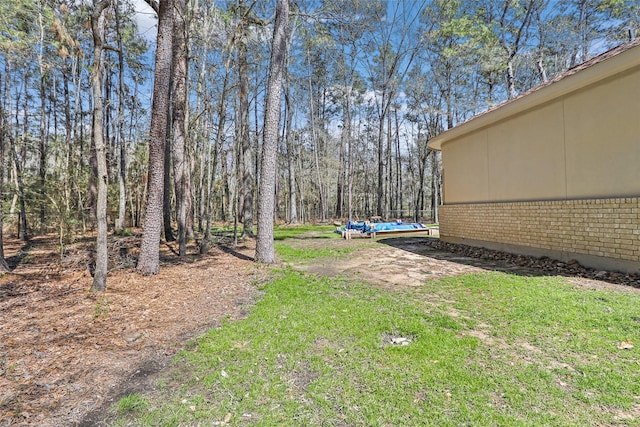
pixel 366 85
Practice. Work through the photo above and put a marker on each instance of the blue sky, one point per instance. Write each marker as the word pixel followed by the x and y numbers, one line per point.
pixel 146 20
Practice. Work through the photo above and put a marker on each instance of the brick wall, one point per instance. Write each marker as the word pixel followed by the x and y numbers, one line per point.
pixel 596 228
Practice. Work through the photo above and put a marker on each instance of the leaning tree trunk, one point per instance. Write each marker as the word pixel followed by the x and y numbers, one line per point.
pixel 265 251
pixel 149 260
pixel 511 80
pixel 97 27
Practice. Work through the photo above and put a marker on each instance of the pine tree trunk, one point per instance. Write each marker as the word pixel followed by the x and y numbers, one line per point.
pixel 380 192
pixel 122 152
pixel 19 162
pixel 149 260
pixel 4 132
pixel 292 217
pixel 341 175
pixel 389 176
pixel 23 229
pixel 399 186
pixel 265 251
pixel 67 144
pixel 246 175
pixel 179 104
pixel 166 193
pixel 101 256
pixel 316 147
pixel 349 155
pixel 42 153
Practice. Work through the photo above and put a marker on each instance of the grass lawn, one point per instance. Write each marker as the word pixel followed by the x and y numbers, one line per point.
pixel 481 349
pixel 303 254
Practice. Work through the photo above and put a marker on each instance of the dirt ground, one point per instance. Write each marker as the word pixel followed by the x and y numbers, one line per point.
pixel 66 353
pixel 402 265
pixel 399 262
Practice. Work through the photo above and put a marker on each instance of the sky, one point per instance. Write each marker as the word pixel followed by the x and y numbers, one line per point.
pixel 146 20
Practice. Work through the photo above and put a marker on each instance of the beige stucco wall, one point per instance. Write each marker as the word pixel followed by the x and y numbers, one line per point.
pixel 470 156
pixel 602 139
pixel 585 144
pixel 599 233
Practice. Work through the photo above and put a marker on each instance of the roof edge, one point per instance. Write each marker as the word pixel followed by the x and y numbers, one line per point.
pixel 562 85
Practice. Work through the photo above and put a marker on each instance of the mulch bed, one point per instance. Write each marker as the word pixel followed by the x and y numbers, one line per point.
pixel 571 268
pixel 66 352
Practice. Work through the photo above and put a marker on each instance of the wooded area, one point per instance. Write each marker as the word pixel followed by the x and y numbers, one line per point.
pixel 103 127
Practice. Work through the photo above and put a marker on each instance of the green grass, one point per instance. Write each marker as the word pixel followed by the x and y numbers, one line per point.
pixel 486 349
pixel 223 230
pixel 289 253
pixel 131 403
pixel 282 232
pixel 102 307
pixel 566 335
pixel 295 231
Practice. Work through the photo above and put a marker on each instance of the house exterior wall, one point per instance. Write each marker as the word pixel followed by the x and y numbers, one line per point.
pixel 602 138
pixel 553 173
pixel 601 233
pixel 583 145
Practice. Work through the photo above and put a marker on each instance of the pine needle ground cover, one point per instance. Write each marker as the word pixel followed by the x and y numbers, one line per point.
pixel 475 349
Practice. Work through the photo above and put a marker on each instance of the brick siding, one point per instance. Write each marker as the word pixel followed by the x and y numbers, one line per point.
pixel 607 228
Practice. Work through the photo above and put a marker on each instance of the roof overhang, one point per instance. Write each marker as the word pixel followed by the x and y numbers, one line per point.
pixel 569 82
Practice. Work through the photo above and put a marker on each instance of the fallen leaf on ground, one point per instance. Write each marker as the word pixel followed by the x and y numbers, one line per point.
pixel 626 345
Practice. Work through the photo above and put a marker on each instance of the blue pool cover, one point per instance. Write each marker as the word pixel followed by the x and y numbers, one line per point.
pixel 377 227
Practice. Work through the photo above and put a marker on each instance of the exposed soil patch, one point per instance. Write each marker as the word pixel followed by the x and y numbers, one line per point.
pixel 403 265
pixel 400 262
pixel 66 352
pixel 390 267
